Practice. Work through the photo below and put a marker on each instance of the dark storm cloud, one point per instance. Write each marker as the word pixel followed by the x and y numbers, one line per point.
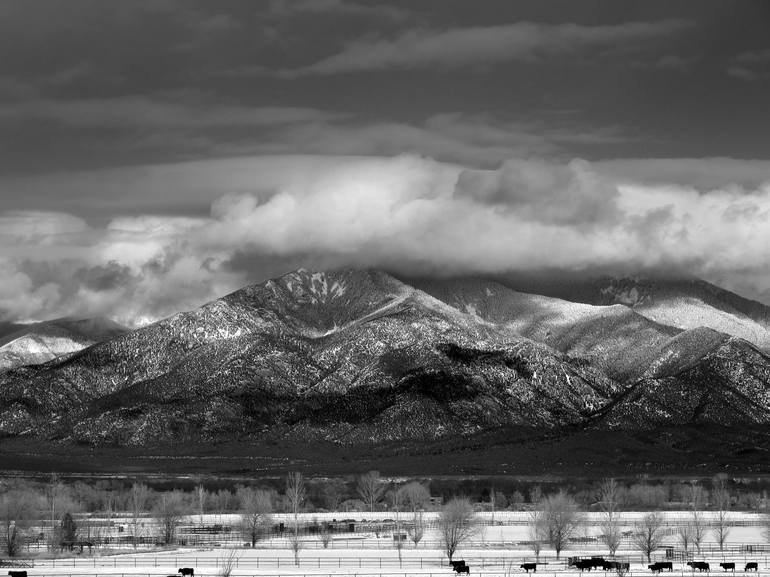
pixel 338 7
pixel 86 84
pixel 109 276
pixel 485 44
pixel 143 112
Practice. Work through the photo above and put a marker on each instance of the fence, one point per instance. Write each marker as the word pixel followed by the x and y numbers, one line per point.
pixel 423 562
pixel 446 572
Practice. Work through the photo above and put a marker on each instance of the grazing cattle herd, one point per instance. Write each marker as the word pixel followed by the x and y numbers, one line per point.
pixel 589 563
pixel 621 567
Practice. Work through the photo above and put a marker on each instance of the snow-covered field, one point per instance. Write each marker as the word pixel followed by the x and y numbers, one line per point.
pixel 496 551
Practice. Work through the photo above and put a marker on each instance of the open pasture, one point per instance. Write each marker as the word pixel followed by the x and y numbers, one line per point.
pixel 497 549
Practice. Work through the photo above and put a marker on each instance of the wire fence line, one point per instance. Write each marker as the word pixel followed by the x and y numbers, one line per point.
pixel 321 562
pixel 446 572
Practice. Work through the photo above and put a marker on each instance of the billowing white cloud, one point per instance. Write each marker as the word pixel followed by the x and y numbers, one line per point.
pixel 406 213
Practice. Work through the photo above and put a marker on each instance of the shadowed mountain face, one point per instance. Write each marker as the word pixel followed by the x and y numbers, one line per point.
pixel 358 357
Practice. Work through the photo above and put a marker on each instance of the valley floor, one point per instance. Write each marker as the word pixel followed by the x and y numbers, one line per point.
pixel 497 551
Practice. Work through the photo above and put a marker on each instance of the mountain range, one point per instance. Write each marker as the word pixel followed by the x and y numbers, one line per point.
pixel 358 357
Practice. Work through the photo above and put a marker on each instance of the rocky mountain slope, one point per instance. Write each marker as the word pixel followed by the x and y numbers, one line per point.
pixel 361 357
pixel 729 386
pixel 38 343
pixel 680 303
pixel 615 338
pixel 351 356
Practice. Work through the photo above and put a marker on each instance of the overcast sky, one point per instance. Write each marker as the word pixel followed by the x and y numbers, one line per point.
pixel 155 155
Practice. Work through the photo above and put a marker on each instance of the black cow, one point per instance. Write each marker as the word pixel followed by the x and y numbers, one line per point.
pixel 660 565
pixel 728 566
pixel 615 566
pixel 17 573
pixel 463 569
pixel 699 565
pixel 584 564
pixel 528 566
pixel 187 571
pixel 456 564
pixel 752 566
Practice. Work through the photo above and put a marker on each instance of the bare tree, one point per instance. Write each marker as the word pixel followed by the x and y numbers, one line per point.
pixel 492 503
pixel 16 509
pixel 699 528
pixel 326 536
pixel 697 499
pixel 370 488
pixel 200 493
pixel 561 519
pixel 415 496
pixel 55 493
pixel 537 532
pixel 168 511
pixel 295 494
pixel 334 493
pixel 721 497
pixel 227 563
pixel 68 528
pixel 137 501
pixel 648 534
pixel 765 520
pixel 684 536
pixel 398 500
pixel 256 509
pixel 457 523
pixel 611 533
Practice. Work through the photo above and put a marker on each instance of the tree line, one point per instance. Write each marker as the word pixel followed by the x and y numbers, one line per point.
pixel 65 510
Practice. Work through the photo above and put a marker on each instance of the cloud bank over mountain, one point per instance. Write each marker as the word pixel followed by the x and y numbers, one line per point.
pixel 407 214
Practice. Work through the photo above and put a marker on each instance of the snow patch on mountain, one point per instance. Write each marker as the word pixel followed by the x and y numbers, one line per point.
pixel 691 313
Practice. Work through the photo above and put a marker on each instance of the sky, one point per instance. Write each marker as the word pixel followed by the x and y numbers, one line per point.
pixel 157 154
